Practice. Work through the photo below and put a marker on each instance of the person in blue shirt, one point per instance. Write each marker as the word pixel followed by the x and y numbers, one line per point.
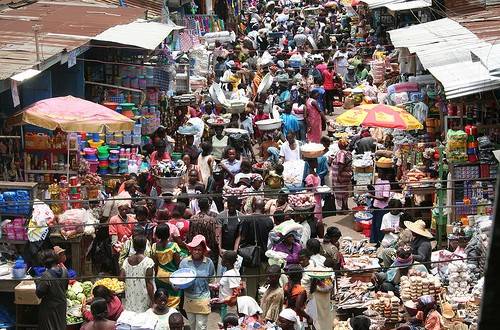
pixel 197 296
pixel 290 122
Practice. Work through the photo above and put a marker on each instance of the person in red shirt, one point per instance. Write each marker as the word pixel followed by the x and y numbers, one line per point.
pixel 160 154
pixel 328 85
pixel 259 116
pixel 114 304
pixel 121 226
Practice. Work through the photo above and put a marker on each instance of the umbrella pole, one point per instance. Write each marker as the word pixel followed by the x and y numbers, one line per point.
pixel 67 160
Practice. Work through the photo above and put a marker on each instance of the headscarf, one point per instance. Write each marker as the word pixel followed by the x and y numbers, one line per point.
pixel 343 143
pixel 290 315
pixel 248 306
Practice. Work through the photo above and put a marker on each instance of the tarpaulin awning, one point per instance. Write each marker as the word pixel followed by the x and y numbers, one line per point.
pixel 379 115
pixel 72 114
pixel 143 34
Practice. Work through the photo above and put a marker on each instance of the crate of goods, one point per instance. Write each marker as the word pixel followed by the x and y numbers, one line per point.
pixel 25 294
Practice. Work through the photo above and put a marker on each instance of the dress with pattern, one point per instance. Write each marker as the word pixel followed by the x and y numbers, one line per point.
pixel 166 266
pixel 136 293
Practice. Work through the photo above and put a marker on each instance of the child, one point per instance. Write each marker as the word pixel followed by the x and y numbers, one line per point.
pixel 61 255
pixel 229 284
pixel 230 321
pixel 330 248
pixel 273 298
pixel 390 223
pixel 316 259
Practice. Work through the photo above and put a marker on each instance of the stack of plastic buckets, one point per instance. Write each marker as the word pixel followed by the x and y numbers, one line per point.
pixel 123 161
pixel 90 155
pixel 75 192
pixel 114 156
pixel 137 137
pixel 103 156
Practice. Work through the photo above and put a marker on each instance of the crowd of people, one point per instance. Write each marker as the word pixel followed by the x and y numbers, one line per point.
pixel 256 257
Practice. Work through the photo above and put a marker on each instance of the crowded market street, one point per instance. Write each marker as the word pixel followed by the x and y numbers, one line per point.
pixel 281 165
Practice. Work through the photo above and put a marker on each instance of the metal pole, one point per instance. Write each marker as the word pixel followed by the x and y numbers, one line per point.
pixel 36 29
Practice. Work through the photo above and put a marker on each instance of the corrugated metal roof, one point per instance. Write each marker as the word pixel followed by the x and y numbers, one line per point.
pixel 464 78
pixel 63 26
pixel 489 56
pixel 484 23
pixel 147 35
pixel 454 7
pixel 416 4
pixel 438 42
pixel 153 6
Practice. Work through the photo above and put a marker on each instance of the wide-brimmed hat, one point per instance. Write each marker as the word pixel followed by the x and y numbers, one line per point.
pixel 418 227
pixel 197 240
pixel 57 249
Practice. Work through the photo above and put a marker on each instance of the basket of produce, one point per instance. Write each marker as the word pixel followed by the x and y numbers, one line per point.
pixel 302 201
pixel 169 174
pixel 259 167
pixel 183 278
pixel 384 162
pixel 268 124
pixel 312 150
pixel 113 284
pixel 218 121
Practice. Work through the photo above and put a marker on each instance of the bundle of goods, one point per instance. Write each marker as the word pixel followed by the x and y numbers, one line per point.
pixel 293 173
pixel 76 295
pixel 417 178
pixel 113 284
pixel 459 281
pixel 477 290
pixel 456 146
pixel 15 202
pixel 15 229
pixel 477 247
pixel 384 162
pixel 352 294
pixel 92 182
pixel 486 148
pixel 388 305
pixel 301 200
pixel 361 263
pixel 73 222
pixel 378 71
pixel 240 191
pixel 169 173
pixel 418 284
pixel 348 247
pixel 363 163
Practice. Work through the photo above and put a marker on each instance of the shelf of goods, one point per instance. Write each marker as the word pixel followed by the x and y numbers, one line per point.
pixel 46 156
pixel 472 187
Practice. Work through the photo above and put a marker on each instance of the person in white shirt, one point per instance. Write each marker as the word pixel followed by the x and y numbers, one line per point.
pixel 290 150
pixel 229 284
pixel 390 223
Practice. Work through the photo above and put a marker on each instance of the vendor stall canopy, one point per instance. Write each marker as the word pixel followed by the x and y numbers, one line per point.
pixel 141 33
pixel 63 27
pixel 72 114
pixel 379 115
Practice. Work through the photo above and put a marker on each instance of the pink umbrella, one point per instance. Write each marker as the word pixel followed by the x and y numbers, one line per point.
pixel 72 114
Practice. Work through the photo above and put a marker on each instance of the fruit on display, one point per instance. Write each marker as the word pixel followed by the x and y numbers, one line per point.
pixel 112 284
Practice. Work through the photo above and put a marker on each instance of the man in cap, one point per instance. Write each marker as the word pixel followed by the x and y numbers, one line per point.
pixel 300 38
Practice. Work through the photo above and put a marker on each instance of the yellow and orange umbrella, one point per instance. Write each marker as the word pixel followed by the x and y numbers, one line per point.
pixel 379 115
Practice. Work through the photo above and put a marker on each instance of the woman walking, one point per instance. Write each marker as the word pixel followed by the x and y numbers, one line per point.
pixel 313 117
pixel 341 164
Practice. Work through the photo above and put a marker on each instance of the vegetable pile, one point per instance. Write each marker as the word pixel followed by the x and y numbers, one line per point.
pixel 76 295
pixel 301 200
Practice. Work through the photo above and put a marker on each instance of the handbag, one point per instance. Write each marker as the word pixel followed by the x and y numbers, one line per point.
pixel 251 254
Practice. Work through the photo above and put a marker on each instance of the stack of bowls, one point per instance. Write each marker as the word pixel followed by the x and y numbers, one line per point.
pixel 113 160
pixel 90 155
pixel 103 155
pixel 123 165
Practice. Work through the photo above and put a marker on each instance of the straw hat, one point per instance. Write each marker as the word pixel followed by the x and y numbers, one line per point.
pixel 418 227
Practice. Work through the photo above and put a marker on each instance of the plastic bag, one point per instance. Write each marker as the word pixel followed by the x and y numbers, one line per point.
pixel 73 222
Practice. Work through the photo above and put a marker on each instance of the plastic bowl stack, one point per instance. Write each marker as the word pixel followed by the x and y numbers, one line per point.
pixel 90 155
pixel 113 160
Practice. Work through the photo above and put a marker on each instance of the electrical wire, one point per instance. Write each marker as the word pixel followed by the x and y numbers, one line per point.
pixel 344 272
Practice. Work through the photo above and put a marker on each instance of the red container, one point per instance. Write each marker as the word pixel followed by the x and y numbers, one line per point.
pixel 110 105
pixel 103 163
pixel 366 226
pixel 452 110
pixel 471 130
pixel 73 181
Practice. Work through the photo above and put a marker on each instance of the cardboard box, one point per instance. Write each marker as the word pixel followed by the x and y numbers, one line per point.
pixel 25 294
